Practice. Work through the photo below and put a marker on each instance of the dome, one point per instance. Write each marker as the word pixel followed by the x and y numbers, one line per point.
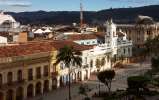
pixel 144 20
pixel 6 18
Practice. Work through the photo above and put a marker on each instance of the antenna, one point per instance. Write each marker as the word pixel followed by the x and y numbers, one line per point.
pixel 81 14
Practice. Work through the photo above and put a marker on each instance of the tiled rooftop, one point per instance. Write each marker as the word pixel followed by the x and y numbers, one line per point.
pixel 85 36
pixel 37 47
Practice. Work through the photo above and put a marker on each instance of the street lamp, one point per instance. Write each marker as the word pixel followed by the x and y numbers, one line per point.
pixel 99 82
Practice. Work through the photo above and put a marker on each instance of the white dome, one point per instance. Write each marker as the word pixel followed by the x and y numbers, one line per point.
pixel 4 18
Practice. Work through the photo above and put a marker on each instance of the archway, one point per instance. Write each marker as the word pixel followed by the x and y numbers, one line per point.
pixel 30 90
pixel 10 77
pixel 38 88
pixel 79 76
pixel 86 75
pixel 61 81
pixel 46 85
pixel 19 93
pixel 1 96
pixel 9 95
pixel 54 83
pixel 1 80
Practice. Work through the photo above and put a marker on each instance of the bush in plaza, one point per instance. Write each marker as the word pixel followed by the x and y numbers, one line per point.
pixel 155 63
pixel 137 84
pixel 106 77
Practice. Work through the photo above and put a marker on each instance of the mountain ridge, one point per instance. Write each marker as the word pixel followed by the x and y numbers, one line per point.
pixel 119 15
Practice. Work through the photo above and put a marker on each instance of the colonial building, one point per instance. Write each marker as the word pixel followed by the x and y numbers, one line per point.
pixel 139 32
pixel 27 70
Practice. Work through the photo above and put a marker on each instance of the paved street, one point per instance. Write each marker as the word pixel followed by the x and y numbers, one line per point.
pixel 118 83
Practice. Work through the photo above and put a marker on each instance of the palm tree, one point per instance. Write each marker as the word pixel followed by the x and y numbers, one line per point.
pixel 69 56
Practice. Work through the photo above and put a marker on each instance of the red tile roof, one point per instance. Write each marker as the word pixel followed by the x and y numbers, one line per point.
pixel 37 47
pixel 84 36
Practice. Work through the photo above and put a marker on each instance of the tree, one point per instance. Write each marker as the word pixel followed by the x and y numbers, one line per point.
pixel 103 61
pixel 155 63
pixel 98 63
pixel 152 46
pixel 69 56
pixel 106 77
pixel 83 89
pixel 136 84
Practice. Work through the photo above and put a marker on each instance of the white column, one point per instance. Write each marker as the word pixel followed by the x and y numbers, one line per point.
pixel 88 75
pixel 4 77
pixel 34 90
pixel 34 73
pixel 14 75
pixel 82 76
pixel 24 92
pixel 58 81
pixel 50 85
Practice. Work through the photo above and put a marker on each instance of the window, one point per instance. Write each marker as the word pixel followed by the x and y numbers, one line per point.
pixel 85 60
pixel 46 71
pixel 88 42
pixel 1 80
pixel 91 63
pixel 129 50
pixel 38 72
pixel 10 77
pixel 30 74
pixel 19 75
pixel 124 51
pixel 62 65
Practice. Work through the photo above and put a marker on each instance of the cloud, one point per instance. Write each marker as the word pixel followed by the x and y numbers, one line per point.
pixel 15 3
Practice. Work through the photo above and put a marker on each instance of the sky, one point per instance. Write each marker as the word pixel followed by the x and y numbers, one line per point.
pixel 70 5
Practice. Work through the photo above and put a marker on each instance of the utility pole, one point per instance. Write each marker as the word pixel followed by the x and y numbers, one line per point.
pixel 81 14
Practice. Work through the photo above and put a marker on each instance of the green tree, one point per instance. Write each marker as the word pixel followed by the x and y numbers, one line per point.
pixel 69 56
pixel 152 46
pixel 103 61
pixel 155 63
pixel 106 77
pixel 136 84
pixel 98 63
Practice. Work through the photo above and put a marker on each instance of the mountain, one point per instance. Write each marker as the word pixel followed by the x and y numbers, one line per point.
pixel 120 15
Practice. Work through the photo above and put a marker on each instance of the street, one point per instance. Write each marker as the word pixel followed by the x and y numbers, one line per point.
pixel 119 82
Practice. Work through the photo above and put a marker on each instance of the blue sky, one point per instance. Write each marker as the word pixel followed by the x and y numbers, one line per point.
pixel 70 5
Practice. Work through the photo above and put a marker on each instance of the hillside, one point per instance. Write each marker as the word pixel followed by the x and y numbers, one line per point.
pixel 120 15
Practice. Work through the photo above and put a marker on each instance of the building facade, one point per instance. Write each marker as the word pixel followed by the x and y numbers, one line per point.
pixel 140 31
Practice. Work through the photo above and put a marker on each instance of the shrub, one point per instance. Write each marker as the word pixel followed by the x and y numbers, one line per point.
pixel 106 77
pixel 137 84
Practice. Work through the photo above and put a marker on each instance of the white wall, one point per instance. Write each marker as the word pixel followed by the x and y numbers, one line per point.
pixel 87 42
pixel 3 40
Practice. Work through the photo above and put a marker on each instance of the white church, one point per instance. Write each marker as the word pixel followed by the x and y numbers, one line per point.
pixel 99 57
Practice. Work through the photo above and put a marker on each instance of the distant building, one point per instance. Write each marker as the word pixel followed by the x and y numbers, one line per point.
pixel 11 29
pixel 144 28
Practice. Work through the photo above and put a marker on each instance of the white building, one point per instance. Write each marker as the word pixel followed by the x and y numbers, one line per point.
pixel 116 45
pixel 8 23
pixel 3 40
